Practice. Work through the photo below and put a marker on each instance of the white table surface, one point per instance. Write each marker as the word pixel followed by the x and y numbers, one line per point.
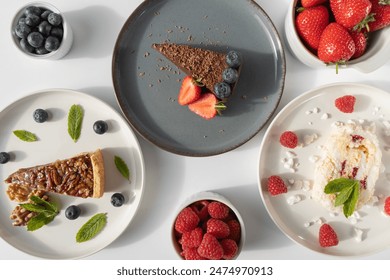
pixel 170 178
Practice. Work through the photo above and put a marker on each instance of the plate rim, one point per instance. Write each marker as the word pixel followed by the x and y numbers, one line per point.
pixel 281 55
pixel 140 158
pixel 297 100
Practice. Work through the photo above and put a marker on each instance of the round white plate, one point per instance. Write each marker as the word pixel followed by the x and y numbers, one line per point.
pixel 301 116
pixel 57 239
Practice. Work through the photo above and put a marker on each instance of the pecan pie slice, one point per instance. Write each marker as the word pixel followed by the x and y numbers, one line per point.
pixel 80 176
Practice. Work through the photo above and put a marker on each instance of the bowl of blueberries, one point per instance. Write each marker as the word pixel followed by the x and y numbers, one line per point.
pixel 40 31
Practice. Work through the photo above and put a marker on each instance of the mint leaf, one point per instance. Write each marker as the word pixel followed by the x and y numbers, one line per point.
pixel 343 196
pixel 337 185
pixel 33 207
pixel 122 167
pixel 75 119
pixel 92 227
pixel 39 221
pixel 350 204
pixel 52 207
pixel 25 135
pixel 347 193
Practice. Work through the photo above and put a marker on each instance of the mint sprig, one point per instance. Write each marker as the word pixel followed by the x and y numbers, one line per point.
pixel 46 212
pixel 347 193
pixel 75 119
pixel 92 227
pixel 25 135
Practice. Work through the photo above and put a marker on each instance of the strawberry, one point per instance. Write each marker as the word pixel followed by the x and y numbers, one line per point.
pixel 346 103
pixel 386 207
pixel 288 139
pixel 187 220
pixel 235 230
pixel 207 106
pixel 230 249
pixel 210 248
pixel 276 185
pixel 218 228
pixel 327 236
pixel 201 209
pixel 189 91
pixel 352 13
pixel 218 210
pixel 192 238
pixel 336 45
pixel 381 11
pixel 310 23
pixel 191 254
pixel 311 3
pixel 360 41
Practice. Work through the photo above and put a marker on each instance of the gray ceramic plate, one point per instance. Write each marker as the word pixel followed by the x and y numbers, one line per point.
pixel 146 84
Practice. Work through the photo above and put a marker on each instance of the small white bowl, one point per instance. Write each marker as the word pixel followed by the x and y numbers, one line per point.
pixel 67 39
pixel 376 55
pixel 210 196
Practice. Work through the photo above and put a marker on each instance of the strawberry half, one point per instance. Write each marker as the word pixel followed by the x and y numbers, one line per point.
pixel 189 91
pixel 207 106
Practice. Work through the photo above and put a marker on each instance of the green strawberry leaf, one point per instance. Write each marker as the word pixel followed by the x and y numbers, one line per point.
pixel 25 135
pixel 92 227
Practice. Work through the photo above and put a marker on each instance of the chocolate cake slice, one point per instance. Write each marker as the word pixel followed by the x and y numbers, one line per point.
pixel 215 70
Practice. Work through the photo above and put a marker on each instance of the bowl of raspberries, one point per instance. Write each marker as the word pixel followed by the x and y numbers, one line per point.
pixel 339 33
pixel 208 227
pixel 39 30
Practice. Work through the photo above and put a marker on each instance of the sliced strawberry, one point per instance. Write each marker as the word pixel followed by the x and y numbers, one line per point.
pixel 189 91
pixel 207 106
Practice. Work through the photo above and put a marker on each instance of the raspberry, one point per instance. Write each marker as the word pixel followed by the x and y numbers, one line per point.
pixel 201 209
pixel 276 185
pixel 288 139
pixel 191 239
pixel 235 230
pixel 386 207
pixel 210 248
pixel 345 103
pixel 191 254
pixel 187 220
pixel 218 210
pixel 218 228
pixel 327 236
pixel 230 248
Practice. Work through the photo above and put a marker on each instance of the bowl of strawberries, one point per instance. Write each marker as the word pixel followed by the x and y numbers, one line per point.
pixel 208 227
pixel 339 33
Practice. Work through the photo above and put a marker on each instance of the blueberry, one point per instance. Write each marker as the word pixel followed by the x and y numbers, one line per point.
pixel 22 30
pixel 52 43
pixel 22 20
pixel 44 28
pixel 45 14
pixel 233 59
pixel 32 10
pixel 26 46
pixel 117 199
pixel 41 50
pixel 35 39
pixel 72 212
pixel 33 20
pixel 54 19
pixel 230 75
pixel 57 32
pixel 4 157
pixel 222 90
pixel 100 127
pixel 40 115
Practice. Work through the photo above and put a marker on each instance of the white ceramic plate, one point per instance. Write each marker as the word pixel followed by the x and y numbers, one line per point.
pixel 57 239
pixel 372 105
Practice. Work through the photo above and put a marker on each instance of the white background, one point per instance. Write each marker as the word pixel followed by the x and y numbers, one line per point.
pixel 170 178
